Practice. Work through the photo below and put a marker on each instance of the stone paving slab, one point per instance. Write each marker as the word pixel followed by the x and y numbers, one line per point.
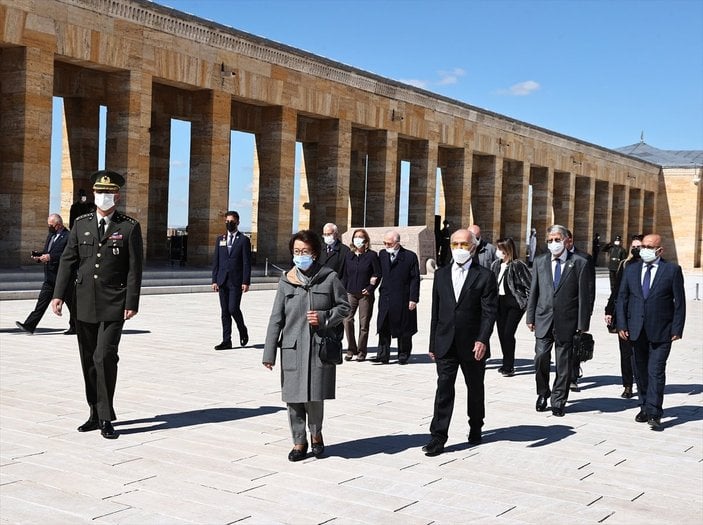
pixel 204 434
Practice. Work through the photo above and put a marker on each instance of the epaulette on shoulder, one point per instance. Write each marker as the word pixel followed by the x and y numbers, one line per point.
pixel 122 217
pixel 85 216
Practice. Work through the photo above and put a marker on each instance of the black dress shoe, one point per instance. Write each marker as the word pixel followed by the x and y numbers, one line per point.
pixel 541 404
pixel 318 448
pixel 70 331
pixel 508 372
pixel 403 361
pixel 573 386
pixel 558 412
pixel 642 417
pixel 23 327
pixel 475 438
pixel 434 448
pixel 224 345
pixel 379 360
pixel 107 430
pixel 243 340
pixel 298 454
pixel 91 424
pixel 654 423
pixel 627 393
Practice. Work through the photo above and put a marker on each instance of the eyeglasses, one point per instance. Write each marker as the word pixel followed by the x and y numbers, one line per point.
pixel 463 244
pixel 389 244
pixel 302 252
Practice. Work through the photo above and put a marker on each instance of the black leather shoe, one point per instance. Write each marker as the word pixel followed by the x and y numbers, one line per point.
pixel 642 417
pixel 434 448
pixel 107 430
pixel 573 386
pixel 654 423
pixel 402 360
pixel 91 424
pixel 508 372
pixel 541 404
pixel 349 356
pixel 318 448
pixel 243 340
pixel 70 331
pixel 558 412
pixel 224 345
pixel 298 454
pixel 475 438
pixel 23 327
pixel 627 393
pixel 361 357
pixel 379 360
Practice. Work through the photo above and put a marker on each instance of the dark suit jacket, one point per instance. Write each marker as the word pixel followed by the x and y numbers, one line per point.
pixel 662 314
pixel 400 284
pixel 592 273
pixel 108 269
pixel 336 259
pixel 467 320
pixel 51 269
pixel 568 308
pixel 233 269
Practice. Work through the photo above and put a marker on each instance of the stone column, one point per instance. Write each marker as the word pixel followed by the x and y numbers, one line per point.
pixel 542 180
pixel 308 164
pixel 329 201
pixel 127 140
pixel 564 187
pixel 423 183
pixel 25 142
pixel 513 217
pixel 456 178
pixel 276 150
pixel 357 179
pixel 486 182
pixel 159 171
pixel 635 211
pixel 81 135
pixel 601 213
pixel 648 218
pixel 582 227
pixel 208 189
pixel 382 181
pixel 618 217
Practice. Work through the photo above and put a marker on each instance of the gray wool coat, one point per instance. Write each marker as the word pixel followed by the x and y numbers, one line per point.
pixel 303 376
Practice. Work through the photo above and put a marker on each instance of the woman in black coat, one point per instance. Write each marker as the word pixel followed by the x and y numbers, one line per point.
pixel 514 279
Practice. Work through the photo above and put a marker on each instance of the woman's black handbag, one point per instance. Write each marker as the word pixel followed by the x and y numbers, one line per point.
pixel 329 347
pixel 583 346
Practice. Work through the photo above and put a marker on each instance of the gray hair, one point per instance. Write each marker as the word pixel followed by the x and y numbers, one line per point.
pixel 335 230
pixel 55 218
pixel 558 228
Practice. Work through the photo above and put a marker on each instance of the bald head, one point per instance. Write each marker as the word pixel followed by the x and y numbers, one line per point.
pixel 476 230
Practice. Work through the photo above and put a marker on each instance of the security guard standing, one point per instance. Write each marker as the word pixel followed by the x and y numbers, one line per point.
pixel 105 253
pixel 616 254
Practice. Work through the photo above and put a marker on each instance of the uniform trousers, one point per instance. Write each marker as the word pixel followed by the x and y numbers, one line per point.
pixel 98 345
pixel 364 303
pixel 473 372
pixel 650 364
pixel 562 363
pixel 230 301
pixel 509 315
pixel 297 414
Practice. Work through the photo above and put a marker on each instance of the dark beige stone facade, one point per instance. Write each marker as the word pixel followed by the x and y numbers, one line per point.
pixel 148 64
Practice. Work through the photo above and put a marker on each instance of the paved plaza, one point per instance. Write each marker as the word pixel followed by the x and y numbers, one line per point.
pixel 204 435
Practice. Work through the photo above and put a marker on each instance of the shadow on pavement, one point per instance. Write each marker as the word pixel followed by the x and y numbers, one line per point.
pixel 192 418
pixel 541 435
pixel 392 444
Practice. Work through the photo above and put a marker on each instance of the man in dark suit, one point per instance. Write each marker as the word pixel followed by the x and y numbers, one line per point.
pixel 231 277
pixel 80 207
pixel 105 254
pixel 398 297
pixel 559 306
pixel 485 252
pixel 51 255
pixel 651 311
pixel 464 308
pixel 576 370
pixel 334 251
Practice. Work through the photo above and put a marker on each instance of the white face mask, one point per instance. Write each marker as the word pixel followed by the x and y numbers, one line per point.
pixel 359 242
pixel 105 201
pixel 329 239
pixel 556 247
pixel 391 251
pixel 460 255
pixel 617 243
pixel 500 254
pixel 648 255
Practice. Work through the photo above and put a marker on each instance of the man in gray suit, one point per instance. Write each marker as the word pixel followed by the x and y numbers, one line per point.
pixel 559 306
pixel 485 251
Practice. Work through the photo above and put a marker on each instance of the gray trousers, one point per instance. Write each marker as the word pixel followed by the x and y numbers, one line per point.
pixel 297 412
pixel 364 303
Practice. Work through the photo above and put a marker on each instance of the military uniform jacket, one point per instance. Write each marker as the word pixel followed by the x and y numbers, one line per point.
pixel 108 269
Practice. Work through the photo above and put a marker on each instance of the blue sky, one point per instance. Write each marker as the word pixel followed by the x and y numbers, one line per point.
pixel 600 71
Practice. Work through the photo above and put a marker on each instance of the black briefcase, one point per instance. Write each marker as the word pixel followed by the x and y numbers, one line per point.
pixel 583 346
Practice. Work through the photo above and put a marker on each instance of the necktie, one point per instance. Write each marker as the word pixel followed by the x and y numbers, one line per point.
pixel 459 281
pixel 647 281
pixel 101 228
pixel 557 273
pixel 51 243
pixel 230 243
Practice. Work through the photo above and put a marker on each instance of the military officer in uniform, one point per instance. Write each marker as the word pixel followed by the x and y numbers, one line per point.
pixel 105 254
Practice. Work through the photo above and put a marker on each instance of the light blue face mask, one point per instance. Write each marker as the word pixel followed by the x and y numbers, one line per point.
pixel 303 262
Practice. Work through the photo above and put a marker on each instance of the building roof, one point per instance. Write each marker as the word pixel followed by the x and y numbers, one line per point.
pixel 665 158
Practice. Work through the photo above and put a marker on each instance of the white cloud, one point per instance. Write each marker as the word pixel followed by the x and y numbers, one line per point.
pixel 521 89
pixel 450 77
pixel 422 84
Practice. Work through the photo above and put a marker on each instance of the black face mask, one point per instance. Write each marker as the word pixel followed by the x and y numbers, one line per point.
pixel 52 230
pixel 231 226
pixel 635 253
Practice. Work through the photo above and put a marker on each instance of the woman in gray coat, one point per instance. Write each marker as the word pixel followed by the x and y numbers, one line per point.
pixel 310 298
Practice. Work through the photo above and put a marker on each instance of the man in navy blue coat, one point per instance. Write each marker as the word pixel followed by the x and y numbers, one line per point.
pixel 651 311
pixel 231 276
